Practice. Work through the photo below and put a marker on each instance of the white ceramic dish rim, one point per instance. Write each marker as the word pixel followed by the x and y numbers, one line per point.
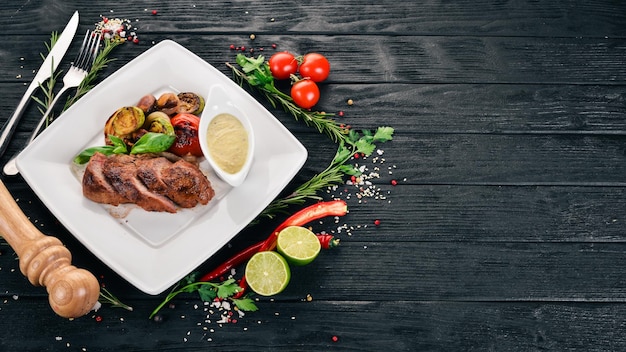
pixel 45 165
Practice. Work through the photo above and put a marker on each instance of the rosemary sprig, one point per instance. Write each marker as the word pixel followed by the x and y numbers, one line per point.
pixel 108 297
pixel 48 89
pixel 356 143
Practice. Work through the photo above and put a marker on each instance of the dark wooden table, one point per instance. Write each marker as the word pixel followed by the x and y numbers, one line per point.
pixel 505 231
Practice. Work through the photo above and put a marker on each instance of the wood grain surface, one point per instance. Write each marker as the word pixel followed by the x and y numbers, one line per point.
pixel 506 230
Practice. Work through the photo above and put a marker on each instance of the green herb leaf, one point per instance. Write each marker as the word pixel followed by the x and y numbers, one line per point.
pixel 365 147
pixel 245 304
pixel 383 134
pixel 118 147
pixel 207 293
pixel 227 288
pixel 249 64
pixel 86 154
pixel 152 142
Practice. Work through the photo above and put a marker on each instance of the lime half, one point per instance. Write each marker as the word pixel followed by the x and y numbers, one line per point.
pixel 298 244
pixel 267 273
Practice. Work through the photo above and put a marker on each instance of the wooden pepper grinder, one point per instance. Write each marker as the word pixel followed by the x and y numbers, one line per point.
pixel 46 262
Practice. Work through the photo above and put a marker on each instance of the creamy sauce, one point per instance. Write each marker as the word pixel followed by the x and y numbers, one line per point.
pixel 228 142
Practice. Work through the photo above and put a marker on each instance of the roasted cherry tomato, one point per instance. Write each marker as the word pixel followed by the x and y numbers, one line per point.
pixel 283 64
pixel 315 66
pixel 305 93
pixel 186 131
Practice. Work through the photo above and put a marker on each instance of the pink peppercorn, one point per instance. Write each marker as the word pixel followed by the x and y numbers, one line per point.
pixel 273 46
pixel 340 113
pixel 376 222
pixel 335 338
pixel 98 318
pixel 394 182
pixel 154 12
pixel 232 47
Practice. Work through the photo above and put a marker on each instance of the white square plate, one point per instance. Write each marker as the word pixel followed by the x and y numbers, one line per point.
pixel 155 250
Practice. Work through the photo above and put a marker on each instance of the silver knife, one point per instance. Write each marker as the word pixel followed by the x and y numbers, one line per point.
pixel 46 70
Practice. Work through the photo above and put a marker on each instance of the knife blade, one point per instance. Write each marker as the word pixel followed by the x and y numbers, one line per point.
pixel 46 70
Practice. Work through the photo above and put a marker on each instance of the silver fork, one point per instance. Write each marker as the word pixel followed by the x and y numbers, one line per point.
pixel 72 79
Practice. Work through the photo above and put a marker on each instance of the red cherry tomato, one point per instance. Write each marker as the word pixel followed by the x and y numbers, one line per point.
pixel 305 93
pixel 186 131
pixel 315 66
pixel 283 64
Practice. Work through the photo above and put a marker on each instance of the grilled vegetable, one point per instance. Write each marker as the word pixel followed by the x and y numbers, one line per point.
pixel 190 103
pixel 168 103
pixel 159 122
pixel 124 122
pixel 147 103
pixel 186 130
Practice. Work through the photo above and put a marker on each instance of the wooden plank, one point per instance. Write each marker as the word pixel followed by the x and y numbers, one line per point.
pixel 399 59
pixel 464 271
pixel 537 18
pixel 493 159
pixel 400 326
pixel 452 213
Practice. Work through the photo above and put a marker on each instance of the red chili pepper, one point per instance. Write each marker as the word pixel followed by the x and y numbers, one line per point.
pixel 328 241
pixel 305 216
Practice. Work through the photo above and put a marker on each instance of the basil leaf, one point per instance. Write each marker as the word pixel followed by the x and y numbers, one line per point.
pixel 118 147
pixel 152 142
pixel 86 154
pixel 118 142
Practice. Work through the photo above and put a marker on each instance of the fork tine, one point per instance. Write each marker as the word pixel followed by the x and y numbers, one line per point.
pixel 88 51
pixel 81 52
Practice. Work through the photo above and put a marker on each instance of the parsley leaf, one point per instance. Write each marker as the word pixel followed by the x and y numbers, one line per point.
pixel 383 134
pixel 227 288
pixel 245 304
pixel 207 293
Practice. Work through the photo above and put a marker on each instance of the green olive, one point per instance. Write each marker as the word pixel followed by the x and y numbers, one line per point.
pixel 190 103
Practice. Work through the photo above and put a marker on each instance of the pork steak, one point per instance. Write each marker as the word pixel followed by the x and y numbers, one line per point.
pixel 152 182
